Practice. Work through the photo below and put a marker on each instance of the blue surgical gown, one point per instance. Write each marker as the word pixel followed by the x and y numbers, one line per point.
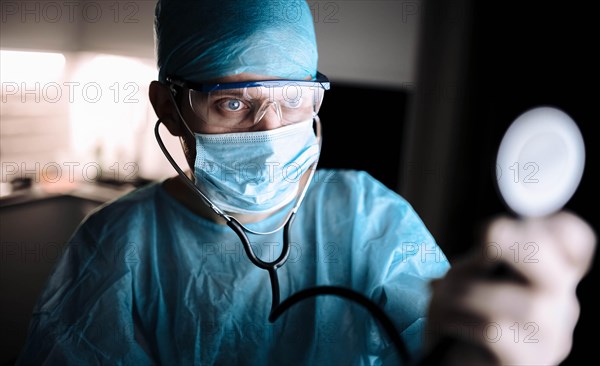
pixel 145 281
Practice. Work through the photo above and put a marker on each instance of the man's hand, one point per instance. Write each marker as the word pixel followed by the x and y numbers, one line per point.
pixel 513 301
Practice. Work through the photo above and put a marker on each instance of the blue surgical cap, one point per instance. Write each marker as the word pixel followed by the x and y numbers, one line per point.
pixel 200 40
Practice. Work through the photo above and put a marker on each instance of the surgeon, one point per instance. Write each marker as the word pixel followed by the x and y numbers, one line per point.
pixel 163 275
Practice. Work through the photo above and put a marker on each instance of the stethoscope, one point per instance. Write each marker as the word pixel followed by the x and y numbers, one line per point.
pixel 278 307
pixel 529 138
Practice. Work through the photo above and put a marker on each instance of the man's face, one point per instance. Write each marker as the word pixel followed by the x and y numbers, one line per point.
pixel 248 109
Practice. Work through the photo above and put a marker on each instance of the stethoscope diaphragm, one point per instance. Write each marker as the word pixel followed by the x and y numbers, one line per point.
pixel 540 162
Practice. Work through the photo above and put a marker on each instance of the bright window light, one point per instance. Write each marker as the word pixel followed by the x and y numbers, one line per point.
pixel 31 67
pixel 108 109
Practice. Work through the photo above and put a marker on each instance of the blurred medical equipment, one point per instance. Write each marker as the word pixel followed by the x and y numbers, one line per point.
pixel 539 165
pixel 540 162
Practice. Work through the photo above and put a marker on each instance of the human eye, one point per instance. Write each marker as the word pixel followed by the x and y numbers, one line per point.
pixel 232 105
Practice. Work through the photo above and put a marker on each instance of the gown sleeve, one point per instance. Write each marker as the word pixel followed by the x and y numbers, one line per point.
pixel 400 257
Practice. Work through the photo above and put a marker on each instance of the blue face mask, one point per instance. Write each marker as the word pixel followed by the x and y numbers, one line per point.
pixel 255 172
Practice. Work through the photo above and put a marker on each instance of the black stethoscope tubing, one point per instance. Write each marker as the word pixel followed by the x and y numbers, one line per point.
pixel 277 308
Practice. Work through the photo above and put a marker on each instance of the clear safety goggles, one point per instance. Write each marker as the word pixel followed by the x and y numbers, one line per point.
pixel 241 105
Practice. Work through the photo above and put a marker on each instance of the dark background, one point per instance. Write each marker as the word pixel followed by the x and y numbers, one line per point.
pixel 490 61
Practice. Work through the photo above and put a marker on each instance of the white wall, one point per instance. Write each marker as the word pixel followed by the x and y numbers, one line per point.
pixel 123 27
pixel 365 41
